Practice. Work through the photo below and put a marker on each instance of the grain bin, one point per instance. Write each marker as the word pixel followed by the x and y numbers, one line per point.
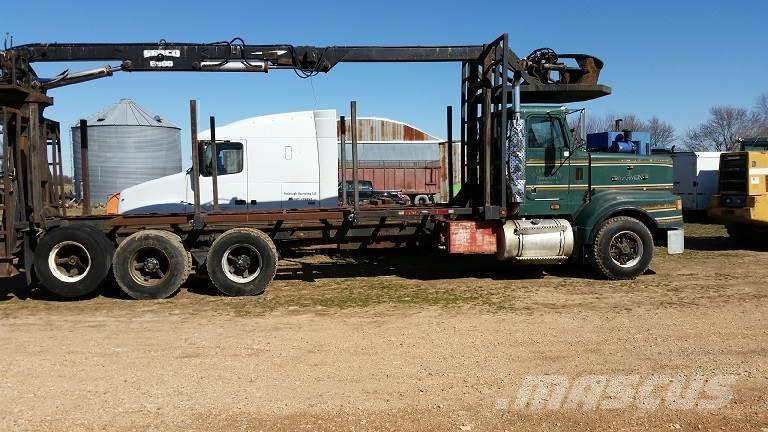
pixel 127 145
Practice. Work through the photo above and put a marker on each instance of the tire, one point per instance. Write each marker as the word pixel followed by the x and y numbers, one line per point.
pixel 151 264
pixel 72 261
pixel 741 234
pixel 623 248
pixel 421 200
pixel 242 262
pixel 108 246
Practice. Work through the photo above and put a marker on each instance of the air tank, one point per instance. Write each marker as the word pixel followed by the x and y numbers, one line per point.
pixel 127 145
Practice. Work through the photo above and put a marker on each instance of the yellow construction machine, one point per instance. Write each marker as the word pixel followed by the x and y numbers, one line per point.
pixel 741 202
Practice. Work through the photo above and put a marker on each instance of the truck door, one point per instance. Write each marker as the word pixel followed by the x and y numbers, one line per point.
pixel 232 175
pixel 547 168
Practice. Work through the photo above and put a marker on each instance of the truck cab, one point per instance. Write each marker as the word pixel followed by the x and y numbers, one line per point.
pixel 586 187
pixel 279 161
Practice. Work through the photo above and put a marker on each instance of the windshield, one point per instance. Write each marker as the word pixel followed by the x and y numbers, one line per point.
pixel 545 132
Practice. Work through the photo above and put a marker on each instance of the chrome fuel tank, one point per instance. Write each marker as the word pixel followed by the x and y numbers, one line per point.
pixel 535 240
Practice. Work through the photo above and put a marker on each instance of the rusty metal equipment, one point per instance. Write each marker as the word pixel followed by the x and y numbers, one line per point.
pixel 195 161
pixel 84 164
pixel 355 180
pixel 214 166
pixel 32 178
pixel 343 156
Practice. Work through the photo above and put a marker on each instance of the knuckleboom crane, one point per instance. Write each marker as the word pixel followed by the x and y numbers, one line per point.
pixel 494 81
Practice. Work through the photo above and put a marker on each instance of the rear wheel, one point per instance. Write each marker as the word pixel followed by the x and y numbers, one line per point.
pixel 742 234
pixel 623 248
pixel 242 262
pixel 107 244
pixel 73 261
pixel 151 264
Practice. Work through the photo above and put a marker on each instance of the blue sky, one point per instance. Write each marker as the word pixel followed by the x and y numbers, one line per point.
pixel 666 58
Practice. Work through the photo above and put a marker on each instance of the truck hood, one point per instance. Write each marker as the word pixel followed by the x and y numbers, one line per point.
pixel 162 195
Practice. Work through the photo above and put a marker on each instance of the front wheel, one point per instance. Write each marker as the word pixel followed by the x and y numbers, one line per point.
pixel 623 248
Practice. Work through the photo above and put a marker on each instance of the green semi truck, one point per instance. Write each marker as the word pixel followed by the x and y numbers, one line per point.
pixel 615 202
pixel 529 193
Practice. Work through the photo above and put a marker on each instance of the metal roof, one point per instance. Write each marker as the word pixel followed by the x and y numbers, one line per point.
pixel 376 129
pixel 126 112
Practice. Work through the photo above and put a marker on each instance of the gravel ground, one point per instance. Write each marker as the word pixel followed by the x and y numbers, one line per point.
pixel 397 341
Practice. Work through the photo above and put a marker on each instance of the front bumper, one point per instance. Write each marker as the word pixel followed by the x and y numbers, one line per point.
pixel 754 211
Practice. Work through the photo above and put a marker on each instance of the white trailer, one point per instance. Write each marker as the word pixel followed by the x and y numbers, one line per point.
pixel 695 178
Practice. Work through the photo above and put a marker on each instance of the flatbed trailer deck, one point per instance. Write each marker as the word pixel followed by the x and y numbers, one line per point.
pixel 298 226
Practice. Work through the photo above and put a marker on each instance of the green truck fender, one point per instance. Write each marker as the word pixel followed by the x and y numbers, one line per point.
pixel 659 210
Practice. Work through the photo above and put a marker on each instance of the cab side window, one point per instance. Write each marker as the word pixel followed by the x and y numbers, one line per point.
pixel 229 159
pixel 545 132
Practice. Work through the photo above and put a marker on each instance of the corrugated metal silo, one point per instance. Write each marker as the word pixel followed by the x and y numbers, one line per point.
pixel 127 145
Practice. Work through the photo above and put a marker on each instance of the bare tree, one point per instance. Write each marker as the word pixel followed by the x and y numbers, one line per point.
pixel 761 107
pixel 662 133
pixel 574 124
pixel 632 122
pixel 723 129
pixel 607 123
pixel 599 124
pixel 761 110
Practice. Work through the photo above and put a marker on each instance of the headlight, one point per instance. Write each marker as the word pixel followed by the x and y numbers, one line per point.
pixel 733 201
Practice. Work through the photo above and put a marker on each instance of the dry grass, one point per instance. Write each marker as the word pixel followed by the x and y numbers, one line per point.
pixel 78 211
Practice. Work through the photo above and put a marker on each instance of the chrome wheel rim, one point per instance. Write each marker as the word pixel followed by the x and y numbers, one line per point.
pixel 241 263
pixel 69 261
pixel 149 266
pixel 626 249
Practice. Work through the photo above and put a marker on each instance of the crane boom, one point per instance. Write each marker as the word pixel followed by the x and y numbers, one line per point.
pixel 192 56
pixel 536 71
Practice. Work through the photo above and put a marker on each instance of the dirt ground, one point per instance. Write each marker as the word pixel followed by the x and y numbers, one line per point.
pixel 393 341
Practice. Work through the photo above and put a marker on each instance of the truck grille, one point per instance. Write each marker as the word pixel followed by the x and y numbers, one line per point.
pixel 733 180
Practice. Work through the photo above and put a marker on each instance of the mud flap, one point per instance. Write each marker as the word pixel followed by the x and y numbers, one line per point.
pixel 29 256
